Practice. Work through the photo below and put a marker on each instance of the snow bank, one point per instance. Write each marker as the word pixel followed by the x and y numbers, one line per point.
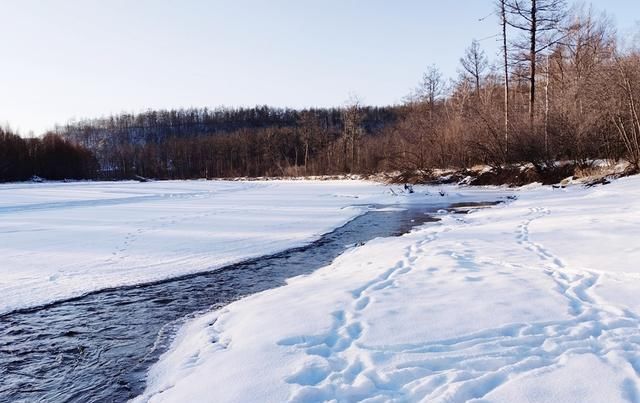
pixel 532 301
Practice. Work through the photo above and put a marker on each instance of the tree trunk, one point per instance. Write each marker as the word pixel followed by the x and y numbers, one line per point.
pixel 503 12
pixel 532 64
pixel 546 111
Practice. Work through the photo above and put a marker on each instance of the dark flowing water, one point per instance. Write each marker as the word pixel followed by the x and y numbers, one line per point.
pixel 98 347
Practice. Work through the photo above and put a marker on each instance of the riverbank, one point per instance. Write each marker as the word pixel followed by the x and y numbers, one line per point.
pixel 99 347
pixel 62 240
pixel 534 300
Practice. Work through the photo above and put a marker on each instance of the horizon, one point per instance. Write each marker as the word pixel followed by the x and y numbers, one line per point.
pixel 131 58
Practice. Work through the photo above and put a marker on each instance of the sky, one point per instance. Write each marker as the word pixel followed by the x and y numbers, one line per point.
pixel 71 59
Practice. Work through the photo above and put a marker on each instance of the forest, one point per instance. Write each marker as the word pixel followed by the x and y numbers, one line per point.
pixel 50 157
pixel 566 87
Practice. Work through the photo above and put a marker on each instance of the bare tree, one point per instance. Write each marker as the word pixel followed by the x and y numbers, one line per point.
pixel 474 64
pixel 573 86
pixel 352 117
pixel 502 10
pixel 625 114
pixel 309 129
pixel 430 90
pixel 541 21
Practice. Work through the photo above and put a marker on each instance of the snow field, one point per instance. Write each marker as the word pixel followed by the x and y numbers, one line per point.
pixel 531 301
pixel 61 240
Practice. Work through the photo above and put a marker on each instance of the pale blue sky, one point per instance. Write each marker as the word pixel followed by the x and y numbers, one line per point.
pixel 64 59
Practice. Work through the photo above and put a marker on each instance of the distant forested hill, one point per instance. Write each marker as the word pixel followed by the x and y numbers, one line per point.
pixel 201 142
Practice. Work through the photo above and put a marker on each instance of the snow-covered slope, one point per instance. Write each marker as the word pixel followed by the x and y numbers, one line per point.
pixel 536 300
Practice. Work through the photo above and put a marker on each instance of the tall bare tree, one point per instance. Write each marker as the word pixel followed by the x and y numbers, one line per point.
pixel 474 64
pixel 541 22
pixel 625 113
pixel 309 129
pixel 352 117
pixel 430 89
pixel 574 80
pixel 502 10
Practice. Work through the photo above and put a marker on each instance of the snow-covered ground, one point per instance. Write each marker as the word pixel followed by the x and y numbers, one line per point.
pixel 60 240
pixel 537 300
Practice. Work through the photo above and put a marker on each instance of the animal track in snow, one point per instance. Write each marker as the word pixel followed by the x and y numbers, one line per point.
pixel 469 366
pixel 336 367
pixel 143 228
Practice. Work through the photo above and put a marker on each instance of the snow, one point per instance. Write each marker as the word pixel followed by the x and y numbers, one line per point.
pixel 534 300
pixel 572 380
pixel 62 240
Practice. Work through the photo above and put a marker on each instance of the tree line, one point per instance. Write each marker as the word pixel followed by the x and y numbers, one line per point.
pixel 228 142
pixel 51 157
pixel 563 88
